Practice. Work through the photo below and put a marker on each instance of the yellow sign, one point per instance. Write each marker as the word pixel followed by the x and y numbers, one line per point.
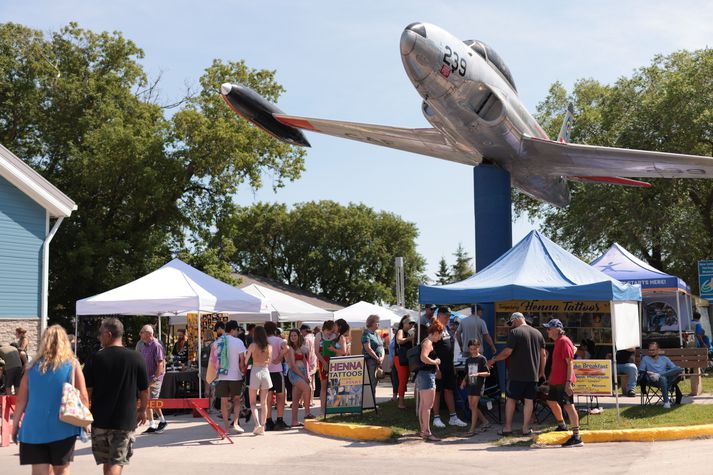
pixel 552 306
pixel 594 377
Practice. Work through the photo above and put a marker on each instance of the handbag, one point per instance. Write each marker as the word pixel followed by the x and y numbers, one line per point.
pixel 414 358
pixel 71 409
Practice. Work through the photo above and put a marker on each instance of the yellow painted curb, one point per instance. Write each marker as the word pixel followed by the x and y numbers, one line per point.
pixel 629 435
pixel 349 431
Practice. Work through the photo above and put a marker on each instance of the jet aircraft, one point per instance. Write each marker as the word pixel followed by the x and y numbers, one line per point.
pixel 471 101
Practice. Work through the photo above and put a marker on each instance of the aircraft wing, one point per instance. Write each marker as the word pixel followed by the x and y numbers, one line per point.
pixel 422 141
pixel 568 159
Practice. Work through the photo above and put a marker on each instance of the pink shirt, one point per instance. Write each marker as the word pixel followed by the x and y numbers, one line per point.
pixel 276 343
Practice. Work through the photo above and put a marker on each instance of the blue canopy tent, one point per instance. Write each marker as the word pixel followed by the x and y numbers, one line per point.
pixel 538 269
pixel 662 293
pixel 534 269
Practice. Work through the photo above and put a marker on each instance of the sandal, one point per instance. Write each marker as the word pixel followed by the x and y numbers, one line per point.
pixel 484 428
pixel 529 432
pixel 470 433
pixel 503 433
pixel 431 438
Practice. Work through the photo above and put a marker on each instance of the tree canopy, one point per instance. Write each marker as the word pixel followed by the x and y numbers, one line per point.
pixel 344 253
pixel 79 108
pixel 666 106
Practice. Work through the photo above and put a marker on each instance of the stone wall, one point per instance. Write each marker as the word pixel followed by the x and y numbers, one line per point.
pixel 7 331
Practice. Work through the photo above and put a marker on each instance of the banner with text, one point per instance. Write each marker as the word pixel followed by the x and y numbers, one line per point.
pixel 552 306
pixel 594 377
pixel 345 391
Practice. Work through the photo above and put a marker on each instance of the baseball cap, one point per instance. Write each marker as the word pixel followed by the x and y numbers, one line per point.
pixel 554 323
pixel 514 317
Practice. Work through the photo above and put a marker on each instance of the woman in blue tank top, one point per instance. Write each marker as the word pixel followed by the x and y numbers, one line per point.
pixel 44 439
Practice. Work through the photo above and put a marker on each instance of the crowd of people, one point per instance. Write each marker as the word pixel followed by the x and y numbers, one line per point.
pixel 255 365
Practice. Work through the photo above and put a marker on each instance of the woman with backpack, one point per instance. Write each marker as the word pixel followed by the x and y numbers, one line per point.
pixel 404 341
pixel 426 380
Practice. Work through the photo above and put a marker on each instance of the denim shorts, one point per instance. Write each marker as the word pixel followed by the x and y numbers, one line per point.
pixel 425 380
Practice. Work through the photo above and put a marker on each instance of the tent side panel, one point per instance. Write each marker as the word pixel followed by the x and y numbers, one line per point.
pixel 625 321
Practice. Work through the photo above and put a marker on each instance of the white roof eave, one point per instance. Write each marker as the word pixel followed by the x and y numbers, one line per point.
pixel 35 185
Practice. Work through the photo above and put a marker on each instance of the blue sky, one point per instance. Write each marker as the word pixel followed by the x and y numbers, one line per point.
pixel 341 60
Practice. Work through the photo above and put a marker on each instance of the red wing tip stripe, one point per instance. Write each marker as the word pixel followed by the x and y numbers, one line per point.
pixel 299 123
pixel 615 180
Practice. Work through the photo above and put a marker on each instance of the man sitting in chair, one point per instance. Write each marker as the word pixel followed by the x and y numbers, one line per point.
pixel 658 370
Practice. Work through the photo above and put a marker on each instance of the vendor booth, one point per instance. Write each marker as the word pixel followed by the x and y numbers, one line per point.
pixel 667 304
pixel 543 281
pixel 176 288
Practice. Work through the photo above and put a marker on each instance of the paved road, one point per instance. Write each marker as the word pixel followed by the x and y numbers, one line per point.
pixel 189 447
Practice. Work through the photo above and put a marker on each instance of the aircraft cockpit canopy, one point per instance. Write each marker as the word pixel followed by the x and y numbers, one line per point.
pixel 489 54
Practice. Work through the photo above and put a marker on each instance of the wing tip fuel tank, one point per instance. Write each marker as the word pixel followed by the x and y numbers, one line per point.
pixel 257 110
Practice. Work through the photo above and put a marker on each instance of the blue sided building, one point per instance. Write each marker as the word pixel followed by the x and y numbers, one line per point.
pixel 31 211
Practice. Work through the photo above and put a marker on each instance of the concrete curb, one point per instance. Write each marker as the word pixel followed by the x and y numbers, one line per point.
pixel 629 435
pixel 349 431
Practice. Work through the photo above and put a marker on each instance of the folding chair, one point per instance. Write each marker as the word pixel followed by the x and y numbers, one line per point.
pixel 651 393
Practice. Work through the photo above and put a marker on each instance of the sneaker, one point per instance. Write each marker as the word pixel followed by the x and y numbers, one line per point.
pixel 454 421
pixel 573 442
pixel 237 428
pixel 437 422
pixel 667 405
pixel 269 425
pixel 150 430
pixel 281 425
pixel 630 394
pixel 161 426
pixel 561 429
pixel 257 430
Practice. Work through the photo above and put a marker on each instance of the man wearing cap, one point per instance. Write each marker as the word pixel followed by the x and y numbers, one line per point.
pixel 473 328
pixel 446 383
pixel 562 379
pixel 429 315
pixel 525 349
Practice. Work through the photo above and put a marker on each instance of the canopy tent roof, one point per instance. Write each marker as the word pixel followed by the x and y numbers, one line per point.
pixel 619 263
pixel 286 308
pixel 356 315
pixel 534 269
pixel 174 288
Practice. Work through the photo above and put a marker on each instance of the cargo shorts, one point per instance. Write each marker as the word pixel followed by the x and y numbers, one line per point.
pixel 113 447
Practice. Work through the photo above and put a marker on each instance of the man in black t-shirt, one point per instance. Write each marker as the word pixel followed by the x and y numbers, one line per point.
pixel 525 349
pixel 116 378
pixel 446 374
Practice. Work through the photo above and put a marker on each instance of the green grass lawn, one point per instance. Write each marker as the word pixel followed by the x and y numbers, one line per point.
pixel 406 421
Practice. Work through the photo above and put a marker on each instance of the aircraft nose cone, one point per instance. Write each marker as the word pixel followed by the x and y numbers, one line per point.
pixel 409 36
pixel 225 88
pixel 417 28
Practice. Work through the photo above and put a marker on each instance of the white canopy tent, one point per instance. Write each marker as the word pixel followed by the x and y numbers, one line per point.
pixel 175 288
pixel 356 315
pixel 285 308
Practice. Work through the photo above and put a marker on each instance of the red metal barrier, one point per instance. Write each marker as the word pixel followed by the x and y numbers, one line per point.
pixel 7 407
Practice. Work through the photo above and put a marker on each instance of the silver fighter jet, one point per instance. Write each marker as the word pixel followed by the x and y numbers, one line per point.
pixel 470 99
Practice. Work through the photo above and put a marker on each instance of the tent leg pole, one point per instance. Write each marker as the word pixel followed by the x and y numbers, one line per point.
pixel 613 348
pixel 680 317
pixel 418 339
pixel 200 366
pixel 76 334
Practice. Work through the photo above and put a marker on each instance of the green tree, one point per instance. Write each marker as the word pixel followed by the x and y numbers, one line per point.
pixel 344 253
pixel 443 276
pixel 463 267
pixel 665 106
pixel 78 107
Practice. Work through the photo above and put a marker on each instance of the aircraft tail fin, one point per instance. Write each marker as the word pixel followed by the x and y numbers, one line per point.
pixel 566 128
